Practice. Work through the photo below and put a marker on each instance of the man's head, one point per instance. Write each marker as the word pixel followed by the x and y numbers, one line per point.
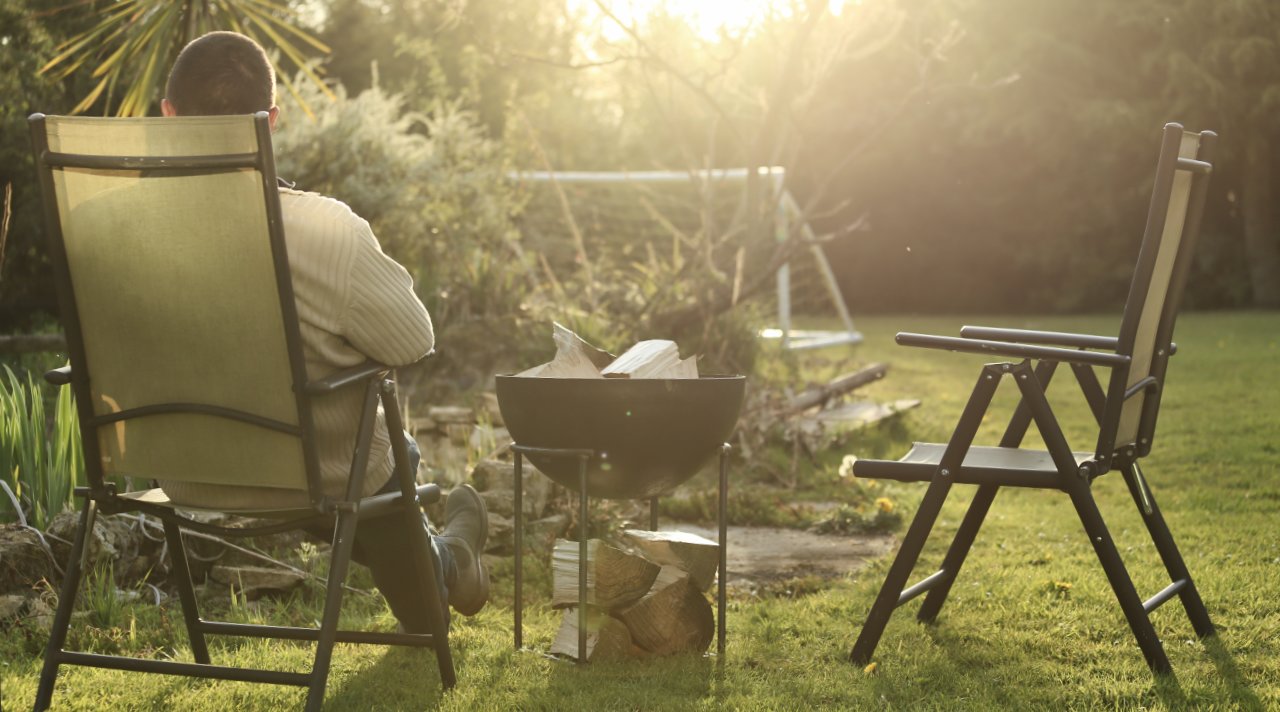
pixel 221 73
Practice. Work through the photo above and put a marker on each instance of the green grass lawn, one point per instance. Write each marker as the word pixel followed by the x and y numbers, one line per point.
pixel 1031 623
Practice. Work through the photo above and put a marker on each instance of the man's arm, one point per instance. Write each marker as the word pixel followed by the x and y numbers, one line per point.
pixel 384 319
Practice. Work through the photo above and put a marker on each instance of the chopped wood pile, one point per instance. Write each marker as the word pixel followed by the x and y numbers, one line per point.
pixel 575 358
pixel 645 596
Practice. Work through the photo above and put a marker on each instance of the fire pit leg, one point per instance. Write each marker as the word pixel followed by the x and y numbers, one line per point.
pixel 723 573
pixel 519 545
pixel 582 558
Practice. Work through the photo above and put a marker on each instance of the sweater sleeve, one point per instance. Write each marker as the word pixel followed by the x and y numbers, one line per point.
pixel 383 318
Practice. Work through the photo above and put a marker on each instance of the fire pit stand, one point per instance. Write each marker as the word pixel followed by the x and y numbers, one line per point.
pixel 583 456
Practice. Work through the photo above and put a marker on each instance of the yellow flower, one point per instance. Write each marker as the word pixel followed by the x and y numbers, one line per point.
pixel 885 504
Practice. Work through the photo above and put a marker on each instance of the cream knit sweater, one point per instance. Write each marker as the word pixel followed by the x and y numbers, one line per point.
pixel 354 303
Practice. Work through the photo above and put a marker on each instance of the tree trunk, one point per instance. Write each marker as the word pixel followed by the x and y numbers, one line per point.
pixel 1262 245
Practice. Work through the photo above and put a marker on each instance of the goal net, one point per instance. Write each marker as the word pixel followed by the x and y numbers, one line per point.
pixel 653 209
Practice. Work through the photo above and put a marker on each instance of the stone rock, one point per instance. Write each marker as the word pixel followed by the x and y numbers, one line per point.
pixel 421 425
pixel 255 581
pixel 23 559
pixel 444 460
pixel 458 433
pixel 538 534
pixel 501 537
pixel 112 539
pixel 546 530
pixel 451 414
pixel 489 440
pixel 11 607
pixel 499 476
pixel 489 404
pixel 40 613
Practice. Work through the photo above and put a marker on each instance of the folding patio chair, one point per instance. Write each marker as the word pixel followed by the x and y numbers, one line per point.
pixel 1126 414
pixel 186 362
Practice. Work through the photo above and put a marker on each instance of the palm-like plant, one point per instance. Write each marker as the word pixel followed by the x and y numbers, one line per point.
pixel 132 45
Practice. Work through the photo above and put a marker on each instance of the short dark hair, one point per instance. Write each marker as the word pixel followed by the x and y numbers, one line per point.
pixel 221 73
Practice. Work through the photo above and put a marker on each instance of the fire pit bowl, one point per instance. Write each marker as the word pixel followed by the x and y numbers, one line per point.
pixel 649 434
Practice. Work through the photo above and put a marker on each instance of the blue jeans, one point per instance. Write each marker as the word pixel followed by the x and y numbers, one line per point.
pixel 380 544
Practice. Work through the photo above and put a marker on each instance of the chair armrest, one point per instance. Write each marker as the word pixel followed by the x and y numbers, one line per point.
pixel 356 374
pixel 1028 336
pixel 1000 348
pixel 1055 338
pixel 59 376
pixel 346 377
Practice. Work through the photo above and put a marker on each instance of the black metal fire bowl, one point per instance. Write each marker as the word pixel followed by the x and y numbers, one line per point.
pixel 650 435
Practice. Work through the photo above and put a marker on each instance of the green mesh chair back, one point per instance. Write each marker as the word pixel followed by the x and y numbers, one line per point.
pixel 173 280
pixel 169 259
pixel 1147 328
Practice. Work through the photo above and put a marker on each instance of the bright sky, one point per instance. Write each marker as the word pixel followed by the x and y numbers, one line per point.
pixel 706 16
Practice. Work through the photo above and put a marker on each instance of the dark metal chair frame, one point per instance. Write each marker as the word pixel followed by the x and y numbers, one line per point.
pixel 958 462
pixel 101 496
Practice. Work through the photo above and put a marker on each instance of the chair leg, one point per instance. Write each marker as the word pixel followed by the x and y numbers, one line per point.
pixel 1169 553
pixel 344 537
pixel 1118 576
pixel 186 594
pixel 955 557
pixel 66 604
pixel 887 600
pixel 424 557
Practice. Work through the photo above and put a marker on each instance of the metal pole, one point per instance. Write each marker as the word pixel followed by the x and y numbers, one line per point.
pixel 519 543
pixel 582 558
pixel 723 516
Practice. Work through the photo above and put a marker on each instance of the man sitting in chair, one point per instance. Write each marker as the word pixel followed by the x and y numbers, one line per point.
pixel 354 303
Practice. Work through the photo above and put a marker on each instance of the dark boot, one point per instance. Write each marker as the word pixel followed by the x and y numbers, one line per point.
pixel 465 530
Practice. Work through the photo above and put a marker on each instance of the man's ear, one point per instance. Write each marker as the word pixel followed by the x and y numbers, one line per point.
pixel 272 114
pixel 166 108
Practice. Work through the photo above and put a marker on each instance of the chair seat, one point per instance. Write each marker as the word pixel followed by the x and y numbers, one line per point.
pixel 157 497
pixel 1008 466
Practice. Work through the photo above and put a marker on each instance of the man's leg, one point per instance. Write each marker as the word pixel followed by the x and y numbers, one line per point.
pixel 462 579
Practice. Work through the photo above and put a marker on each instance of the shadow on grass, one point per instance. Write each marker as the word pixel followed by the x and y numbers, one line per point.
pixel 962 666
pixel 613 685
pixel 1225 662
pixel 403 678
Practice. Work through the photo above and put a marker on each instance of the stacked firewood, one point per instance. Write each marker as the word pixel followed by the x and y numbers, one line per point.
pixel 645 595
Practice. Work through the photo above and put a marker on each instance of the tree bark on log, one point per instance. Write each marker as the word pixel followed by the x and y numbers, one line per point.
pixel 673 619
pixel 838 386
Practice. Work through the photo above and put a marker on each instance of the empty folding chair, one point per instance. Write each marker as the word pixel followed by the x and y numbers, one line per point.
pixel 1125 411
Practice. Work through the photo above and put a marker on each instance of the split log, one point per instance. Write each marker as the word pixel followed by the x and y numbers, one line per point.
pixel 654 358
pixel 607 638
pixel 838 386
pixel 672 619
pixel 575 358
pixel 614 577
pixel 697 556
